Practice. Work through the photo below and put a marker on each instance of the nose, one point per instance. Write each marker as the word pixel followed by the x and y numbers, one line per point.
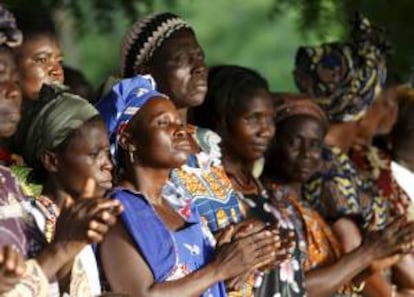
pixel 11 91
pixel 267 128
pixel 107 163
pixel 200 67
pixel 180 131
pixel 56 71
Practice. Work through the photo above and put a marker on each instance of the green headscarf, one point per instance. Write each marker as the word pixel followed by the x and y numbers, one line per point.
pixel 50 120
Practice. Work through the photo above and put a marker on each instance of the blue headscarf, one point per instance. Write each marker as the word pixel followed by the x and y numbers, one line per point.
pixel 122 102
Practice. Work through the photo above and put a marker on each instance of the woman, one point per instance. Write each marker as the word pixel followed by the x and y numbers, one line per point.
pixel 239 108
pixel 161 247
pixel 374 165
pixel 349 76
pixel 64 140
pixel 19 276
pixel 39 58
pixel 165 46
pixel 294 156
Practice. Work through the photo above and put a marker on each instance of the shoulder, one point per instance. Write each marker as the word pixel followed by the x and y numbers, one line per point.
pixel 207 140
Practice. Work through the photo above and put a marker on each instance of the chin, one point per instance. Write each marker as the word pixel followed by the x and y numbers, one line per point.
pixel 8 131
pixel 195 100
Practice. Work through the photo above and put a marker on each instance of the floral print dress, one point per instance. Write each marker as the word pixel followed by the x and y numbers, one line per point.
pixel 286 279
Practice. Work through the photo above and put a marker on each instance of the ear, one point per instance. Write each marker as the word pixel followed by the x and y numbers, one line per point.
pixel 49 161
pixel 125 142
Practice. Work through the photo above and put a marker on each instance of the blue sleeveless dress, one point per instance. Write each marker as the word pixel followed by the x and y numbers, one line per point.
pixel 169 254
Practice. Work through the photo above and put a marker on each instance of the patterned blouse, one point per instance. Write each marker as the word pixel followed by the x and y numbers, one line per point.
pixel 286 279
pixel 337 191
pixel 374 166
pixel 204 179
pixel 322 247
pixel 84 275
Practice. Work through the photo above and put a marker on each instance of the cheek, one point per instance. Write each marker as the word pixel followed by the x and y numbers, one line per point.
pixel 179 79
pixel 32 78
pixel 77 171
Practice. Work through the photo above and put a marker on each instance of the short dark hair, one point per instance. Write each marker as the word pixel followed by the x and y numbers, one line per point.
pixel 229 88
pixel 34 22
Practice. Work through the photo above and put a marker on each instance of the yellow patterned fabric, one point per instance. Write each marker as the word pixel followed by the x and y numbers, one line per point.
pixel 344 77
pixel 337 191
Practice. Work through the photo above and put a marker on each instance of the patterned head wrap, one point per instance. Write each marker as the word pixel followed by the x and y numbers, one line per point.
pixel 344 77
pixel 50 120
pixel 144 37
pixel 124 100
pixel 293 106
pixel 9 34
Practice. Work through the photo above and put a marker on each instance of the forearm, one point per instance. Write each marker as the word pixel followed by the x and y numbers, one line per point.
pixel 192 285
pixel 403 273
pixel 325 281
pixel 54 257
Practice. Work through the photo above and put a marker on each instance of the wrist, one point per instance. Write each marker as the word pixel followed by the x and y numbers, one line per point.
pixel 56 255
pixel 214 269
pixel 367 253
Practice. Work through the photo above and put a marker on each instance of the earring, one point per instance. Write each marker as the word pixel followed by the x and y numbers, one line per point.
pixel 131 157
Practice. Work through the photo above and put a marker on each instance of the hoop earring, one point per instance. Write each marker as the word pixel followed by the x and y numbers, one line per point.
pixel 131 157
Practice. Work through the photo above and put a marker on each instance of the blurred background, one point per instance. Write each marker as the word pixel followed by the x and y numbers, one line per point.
pixel 261 34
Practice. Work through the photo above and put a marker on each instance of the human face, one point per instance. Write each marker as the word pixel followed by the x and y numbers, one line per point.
pixel 86 155
pixel 10 95
pixel 180 72
pixel 299 143
pixel 252 129
pixel 39 61
pixel 158 135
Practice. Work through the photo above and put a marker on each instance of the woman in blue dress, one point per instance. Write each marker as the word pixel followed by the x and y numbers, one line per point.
pixel 160 247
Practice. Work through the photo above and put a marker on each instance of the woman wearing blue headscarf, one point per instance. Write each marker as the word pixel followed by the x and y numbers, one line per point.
pixel 161 247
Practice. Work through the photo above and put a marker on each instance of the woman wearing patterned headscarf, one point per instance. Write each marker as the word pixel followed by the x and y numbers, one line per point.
pixel 294 156
pixel 348 77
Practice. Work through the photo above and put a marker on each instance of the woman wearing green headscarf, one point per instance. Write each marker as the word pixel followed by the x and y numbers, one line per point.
pixel 64 139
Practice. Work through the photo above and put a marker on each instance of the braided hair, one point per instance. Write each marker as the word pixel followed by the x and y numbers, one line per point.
pixel 229 88
pixel 144 38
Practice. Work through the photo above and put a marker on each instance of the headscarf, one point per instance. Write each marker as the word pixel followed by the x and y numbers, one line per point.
pixel 344 77
pixel 293 105
pixel 144 37
pixel 10 35
pixel 46 123
pixel 124 100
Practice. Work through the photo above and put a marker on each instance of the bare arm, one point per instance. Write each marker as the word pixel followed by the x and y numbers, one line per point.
pixel 127 272
pixel 326 280
pixel 348 234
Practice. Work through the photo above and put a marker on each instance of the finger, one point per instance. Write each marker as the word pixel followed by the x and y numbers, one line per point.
pixel 396 224
pixel 94 237
pixel 107 218
pixel 21 266
pixel 100 205
pixel 2 251
pixel 98 227
pixel 268 241
pixel 89 189
pixel 118 207
pixel 226 235
pixel 67 202
pixel 11 258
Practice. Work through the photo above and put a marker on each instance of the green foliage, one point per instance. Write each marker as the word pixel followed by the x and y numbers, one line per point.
pixel 262 34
